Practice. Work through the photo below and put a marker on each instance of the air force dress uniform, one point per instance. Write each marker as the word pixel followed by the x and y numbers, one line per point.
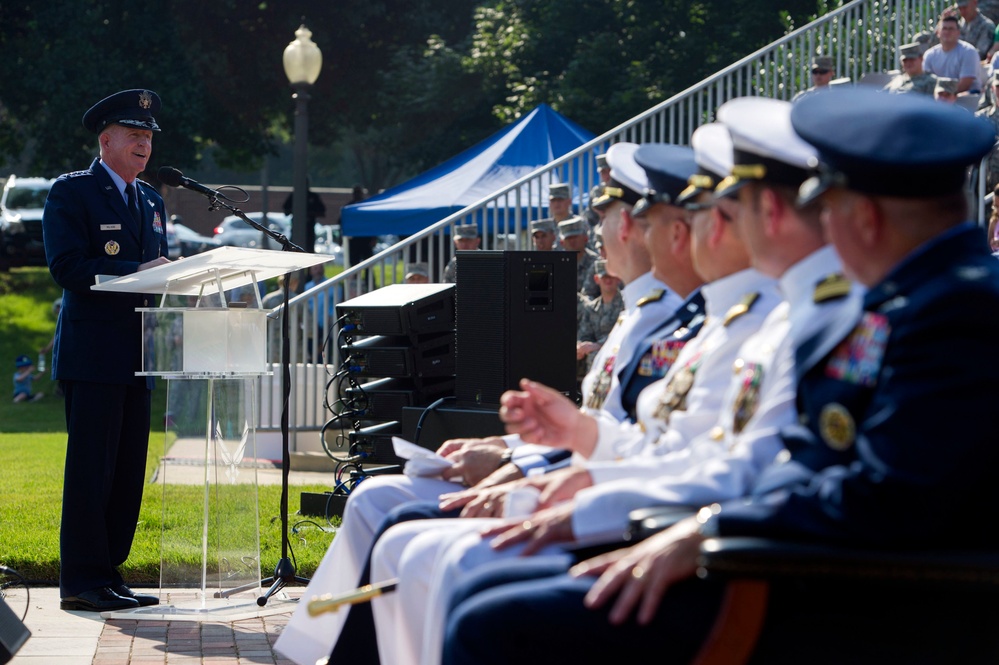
pixel 89 231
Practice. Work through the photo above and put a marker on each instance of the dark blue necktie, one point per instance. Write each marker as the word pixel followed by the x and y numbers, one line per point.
pixel 133 207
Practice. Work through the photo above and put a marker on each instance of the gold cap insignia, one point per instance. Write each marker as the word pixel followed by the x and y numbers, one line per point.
pixel 111 248
pixel 836 427
pixel 145 99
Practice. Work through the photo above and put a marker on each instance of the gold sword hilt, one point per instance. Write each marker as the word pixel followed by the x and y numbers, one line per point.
pixel 330 603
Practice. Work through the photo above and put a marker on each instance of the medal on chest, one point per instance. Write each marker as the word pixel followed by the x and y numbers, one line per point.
pixel 598 394
pixel 674 397
pixel 858 358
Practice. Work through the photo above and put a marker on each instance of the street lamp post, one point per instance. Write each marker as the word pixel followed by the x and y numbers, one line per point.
pixel 302 62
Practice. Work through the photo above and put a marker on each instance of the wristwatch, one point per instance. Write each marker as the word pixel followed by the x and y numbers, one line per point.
pixel 707 520
pixel 506 457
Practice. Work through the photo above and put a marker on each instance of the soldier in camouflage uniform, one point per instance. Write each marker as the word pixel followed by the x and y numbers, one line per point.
pixel 596 317
pixel 976 28
pixel 543 234
pixel 991 113
pixel 574 235
pixel 466 237
pixel 912 78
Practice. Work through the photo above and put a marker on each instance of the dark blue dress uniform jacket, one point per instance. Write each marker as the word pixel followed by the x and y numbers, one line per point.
pixel 919 468
pixel 99 335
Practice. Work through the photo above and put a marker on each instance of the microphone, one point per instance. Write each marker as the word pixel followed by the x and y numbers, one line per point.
pixel 170 176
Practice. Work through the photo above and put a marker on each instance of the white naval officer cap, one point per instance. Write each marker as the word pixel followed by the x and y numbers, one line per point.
pixel 712 144
pixel 764 145
pixel 627 178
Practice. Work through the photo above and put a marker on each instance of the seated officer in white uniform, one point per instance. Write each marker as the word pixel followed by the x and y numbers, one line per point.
pixel 654 294
pixel 682 451
pixel 723 462
pixel 864 466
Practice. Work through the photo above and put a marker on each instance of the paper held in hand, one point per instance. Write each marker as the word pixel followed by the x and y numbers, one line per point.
pixel 420 462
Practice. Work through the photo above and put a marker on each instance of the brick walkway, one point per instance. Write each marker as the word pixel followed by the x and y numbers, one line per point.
pixel 85 638
pixel 125 642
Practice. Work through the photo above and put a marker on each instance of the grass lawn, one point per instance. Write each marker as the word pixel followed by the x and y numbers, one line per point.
pixel 33 446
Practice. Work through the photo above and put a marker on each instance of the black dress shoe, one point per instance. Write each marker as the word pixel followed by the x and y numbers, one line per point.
pixel 102 599
pixel 144 600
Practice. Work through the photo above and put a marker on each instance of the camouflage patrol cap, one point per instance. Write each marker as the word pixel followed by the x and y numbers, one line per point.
pixel 822 62
pixel 946 85
pixel 912 50
pixel 573 226
pixel 558 191
pixel 466 231
pixel 546 225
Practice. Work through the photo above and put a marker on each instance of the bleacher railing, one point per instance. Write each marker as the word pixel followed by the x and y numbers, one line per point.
pixel 861 36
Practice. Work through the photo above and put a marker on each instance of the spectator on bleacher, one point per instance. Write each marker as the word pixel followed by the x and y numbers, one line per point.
pixel 559 201
pixel 912 78
pixel 543 234
pixel 603 169
pixel 418 273
pixel 574 236
pixel 976 29
pixel 945 90
pixel 465 238
pixel 823 71
pixel 991 113
pixel 597 317
pixel 953 58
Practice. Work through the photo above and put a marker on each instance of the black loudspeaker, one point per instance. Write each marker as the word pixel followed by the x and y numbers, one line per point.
pixel 515 317
pixel 13 633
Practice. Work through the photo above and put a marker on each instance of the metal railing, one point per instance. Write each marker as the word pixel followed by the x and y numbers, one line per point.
pixel 861 36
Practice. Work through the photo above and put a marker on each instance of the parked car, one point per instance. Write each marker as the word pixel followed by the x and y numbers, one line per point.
pixel 326 243
pixel 235 232
pixel 190 242
pixel 21 205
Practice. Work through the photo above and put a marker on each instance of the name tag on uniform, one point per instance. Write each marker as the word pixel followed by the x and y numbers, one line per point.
pixel 110 227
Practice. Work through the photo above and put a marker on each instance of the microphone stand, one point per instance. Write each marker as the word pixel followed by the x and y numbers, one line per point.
pixel 284 572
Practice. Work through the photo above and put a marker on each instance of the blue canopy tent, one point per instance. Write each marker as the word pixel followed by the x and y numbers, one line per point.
pixel 541 136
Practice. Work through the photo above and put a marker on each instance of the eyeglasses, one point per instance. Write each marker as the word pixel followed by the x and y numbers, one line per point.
pixel 821 71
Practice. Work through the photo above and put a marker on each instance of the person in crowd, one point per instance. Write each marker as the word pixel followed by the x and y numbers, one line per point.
pixel 976 28
pixel 991 113
pixel 465 238
pixel 597 318
pixel 913 78
pixel 104 221
pixel 559 201
pixel 543 234
pixel 359 248
pixel 573 235
pixel 418 273
pixel 823 71
pixel 952 57
pixel 945 91
pixel 314 209
pixel 863 466
pixel 24 376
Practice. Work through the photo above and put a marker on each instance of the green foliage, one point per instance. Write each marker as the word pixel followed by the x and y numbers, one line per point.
pixel 405 84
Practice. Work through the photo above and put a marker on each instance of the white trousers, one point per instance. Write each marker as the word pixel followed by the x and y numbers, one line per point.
pixel 429 557
pixel 307 639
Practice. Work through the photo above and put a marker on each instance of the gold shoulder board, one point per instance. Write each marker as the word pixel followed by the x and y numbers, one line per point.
pixel 738 310
pixel 655 296
pixel 833 286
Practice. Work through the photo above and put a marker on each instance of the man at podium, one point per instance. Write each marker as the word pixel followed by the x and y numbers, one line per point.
pixel 104 221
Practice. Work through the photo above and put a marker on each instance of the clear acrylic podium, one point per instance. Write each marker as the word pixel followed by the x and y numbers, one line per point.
pixel 210 350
